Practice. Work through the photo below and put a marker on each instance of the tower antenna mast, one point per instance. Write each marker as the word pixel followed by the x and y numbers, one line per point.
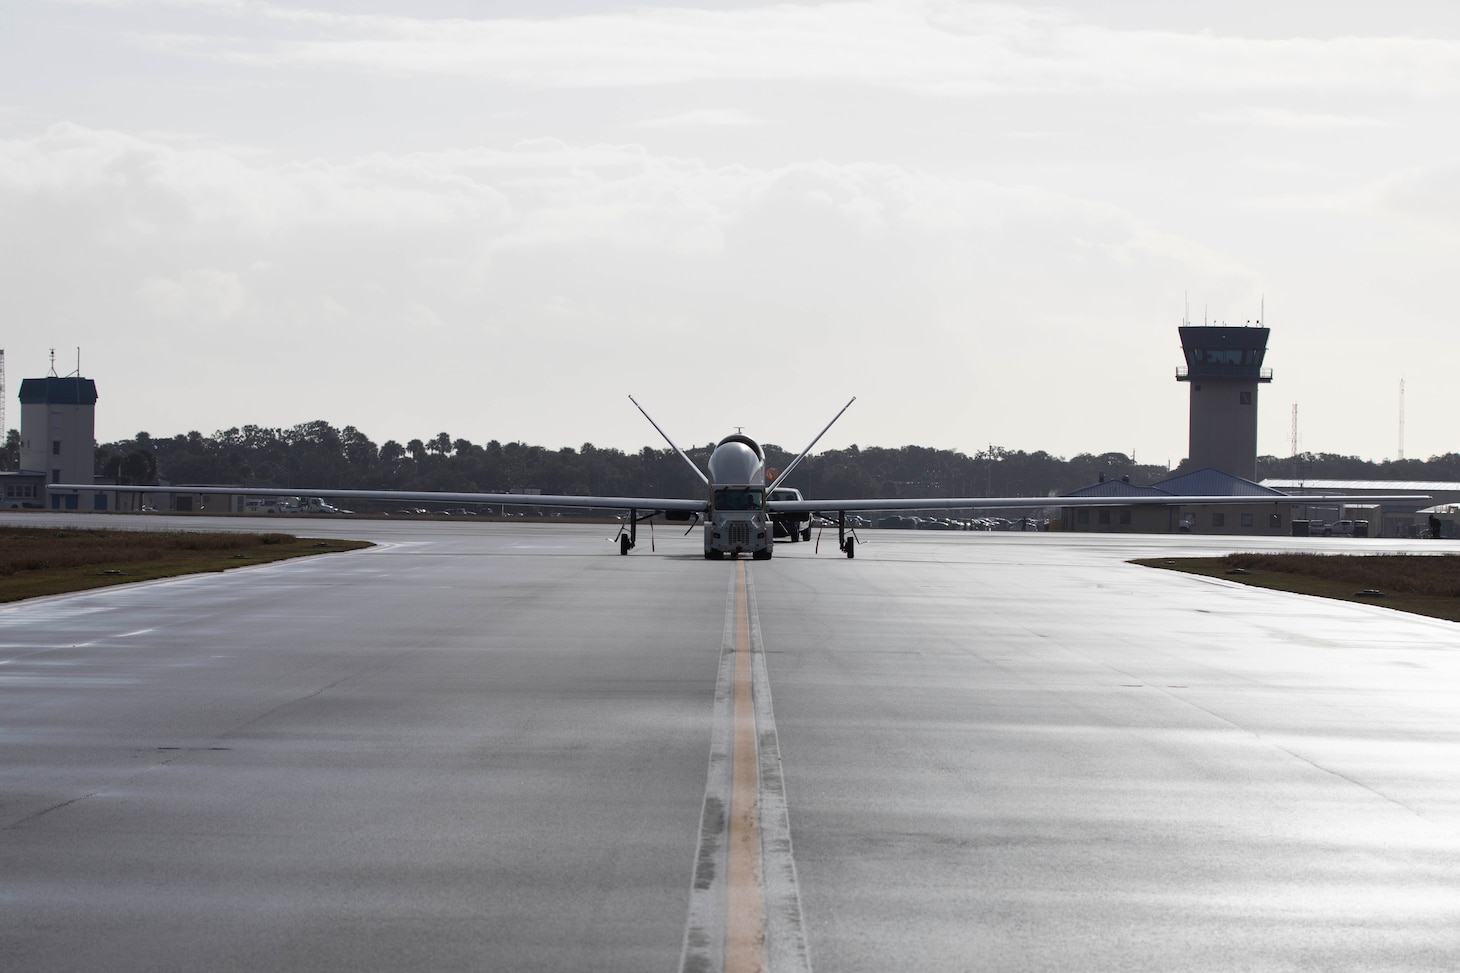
pixel 1293 440
pixel 1401 417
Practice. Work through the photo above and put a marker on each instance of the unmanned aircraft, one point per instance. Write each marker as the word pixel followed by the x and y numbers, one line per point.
pixel 739 508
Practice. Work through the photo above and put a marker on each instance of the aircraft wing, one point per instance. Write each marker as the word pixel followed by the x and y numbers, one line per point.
pixel 1031 503
pixel 428 496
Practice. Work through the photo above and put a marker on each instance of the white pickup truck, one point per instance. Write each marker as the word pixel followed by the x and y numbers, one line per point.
pixel 291 505
pixel 795 526
pixel 316 505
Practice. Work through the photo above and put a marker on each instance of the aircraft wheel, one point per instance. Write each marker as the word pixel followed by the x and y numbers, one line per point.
pixel 623 544
pixel 764 554
pixel 714 555
pixel 851 547
pixel 806 534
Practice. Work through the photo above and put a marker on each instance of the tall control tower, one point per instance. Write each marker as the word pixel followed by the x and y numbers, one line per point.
pixel 58 428
pixel 1224 368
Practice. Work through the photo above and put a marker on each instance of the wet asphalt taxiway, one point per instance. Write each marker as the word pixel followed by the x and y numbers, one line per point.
pixel 490 747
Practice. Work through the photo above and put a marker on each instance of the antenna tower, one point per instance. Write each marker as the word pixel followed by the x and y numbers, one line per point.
pixel 1293 440
pixel 1401 417
pixel 3 432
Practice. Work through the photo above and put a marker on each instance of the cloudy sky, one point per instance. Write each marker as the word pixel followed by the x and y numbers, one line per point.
pixel 498 219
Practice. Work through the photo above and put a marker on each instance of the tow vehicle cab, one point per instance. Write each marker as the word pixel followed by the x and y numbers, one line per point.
pixel 737 521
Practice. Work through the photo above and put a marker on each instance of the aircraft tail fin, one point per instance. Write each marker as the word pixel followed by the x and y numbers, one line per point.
pixel 792 465
pixel 698 472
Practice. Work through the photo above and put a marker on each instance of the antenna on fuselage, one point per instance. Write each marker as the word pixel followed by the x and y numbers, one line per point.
pixel 698 472
pixel 787 471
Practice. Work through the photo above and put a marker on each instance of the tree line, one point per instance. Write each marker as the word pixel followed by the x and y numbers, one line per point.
pixel 318 455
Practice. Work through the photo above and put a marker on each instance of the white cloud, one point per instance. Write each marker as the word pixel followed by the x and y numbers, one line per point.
pixel 705 117
pixel 929 47
pixel 1430 194
pixel 985 212
pixel 1283 118
pixel 201 295
pixel 450 269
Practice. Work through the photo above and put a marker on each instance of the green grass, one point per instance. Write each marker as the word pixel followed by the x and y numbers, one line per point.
pixel 1417 583
pixel 37 561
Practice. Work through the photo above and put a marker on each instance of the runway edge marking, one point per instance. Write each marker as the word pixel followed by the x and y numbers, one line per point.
pixel 745 903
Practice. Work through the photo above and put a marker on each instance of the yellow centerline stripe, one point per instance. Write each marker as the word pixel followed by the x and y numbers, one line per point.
pixel 745 920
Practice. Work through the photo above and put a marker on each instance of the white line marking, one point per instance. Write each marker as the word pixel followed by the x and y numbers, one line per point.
pixel 785 934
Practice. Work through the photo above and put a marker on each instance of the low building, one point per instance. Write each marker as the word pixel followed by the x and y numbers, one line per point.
pixel 23 490
pixel 1441 522
pixel 1392 519
pixel 1135 519
pixel 1161 518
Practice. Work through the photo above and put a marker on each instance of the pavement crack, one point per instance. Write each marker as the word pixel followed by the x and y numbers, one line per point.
pixel 12 826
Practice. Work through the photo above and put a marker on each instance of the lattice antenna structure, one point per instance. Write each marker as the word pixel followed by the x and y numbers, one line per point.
pixel 1293 440
pixel 3 427
pixel 1401 418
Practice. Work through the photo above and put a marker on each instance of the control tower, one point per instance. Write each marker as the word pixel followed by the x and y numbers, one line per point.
pixel 1224 369
pixel 58 428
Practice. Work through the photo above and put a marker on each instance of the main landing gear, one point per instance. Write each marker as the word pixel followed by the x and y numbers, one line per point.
pixel 847 544
pixel 628 532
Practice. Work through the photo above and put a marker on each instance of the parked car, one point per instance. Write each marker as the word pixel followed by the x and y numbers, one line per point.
pixel 796 526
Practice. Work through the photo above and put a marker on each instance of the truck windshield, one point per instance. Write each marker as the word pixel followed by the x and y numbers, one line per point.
pixel 738 499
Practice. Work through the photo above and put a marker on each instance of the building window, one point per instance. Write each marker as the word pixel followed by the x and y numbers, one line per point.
pixel 1275 521
pixel 1082 516
pixel 1125 516
pixel 1246 520
pixel 55 447
pixel 55 476
pixel 1104 515
pixel 1219 520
